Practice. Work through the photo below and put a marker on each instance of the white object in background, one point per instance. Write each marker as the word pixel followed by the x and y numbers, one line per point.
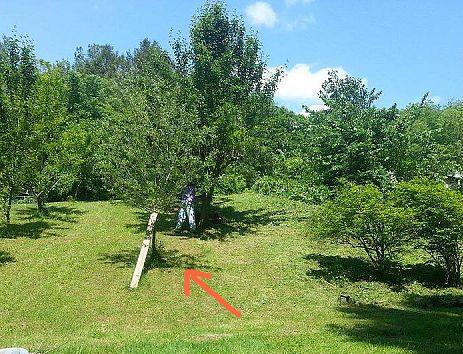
pixel 13 351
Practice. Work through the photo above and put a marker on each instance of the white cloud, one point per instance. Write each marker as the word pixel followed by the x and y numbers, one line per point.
pixel 315 108
pixel 318 107
pixel 436 99
pixel 300 22
pixel 294 2
pixel 261 14
pixel 301 83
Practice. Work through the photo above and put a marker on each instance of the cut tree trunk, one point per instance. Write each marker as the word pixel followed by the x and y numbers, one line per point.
pixel 148 242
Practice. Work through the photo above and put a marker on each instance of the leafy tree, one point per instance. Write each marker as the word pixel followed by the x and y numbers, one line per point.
pixel 87 96
pixel 452 135
pixel 88 78
pixel 278 135
pixel 227 71
pixel 346 93
pixel 148 133
pixel 352 139
pixel 101 60
pixel 433 141
pixel 363 217
pixel 439 211
pixel 280 155
pixel 18 74
pixel 55 142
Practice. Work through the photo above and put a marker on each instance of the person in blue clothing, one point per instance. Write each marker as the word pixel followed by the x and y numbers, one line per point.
pixel 187 208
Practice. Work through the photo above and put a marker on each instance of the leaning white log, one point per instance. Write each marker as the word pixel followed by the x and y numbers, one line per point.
pixel 146 245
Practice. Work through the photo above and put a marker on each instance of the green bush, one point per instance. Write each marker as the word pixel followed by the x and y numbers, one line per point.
pixel 269 185
pixel 231 183
pixel 294 178
pixel 291 188
pixel 439 211
pixel 363 217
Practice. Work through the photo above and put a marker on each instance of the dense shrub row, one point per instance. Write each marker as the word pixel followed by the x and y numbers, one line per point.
pixel 421 213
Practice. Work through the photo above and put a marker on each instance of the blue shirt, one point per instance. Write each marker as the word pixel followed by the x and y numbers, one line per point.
pixel 188 196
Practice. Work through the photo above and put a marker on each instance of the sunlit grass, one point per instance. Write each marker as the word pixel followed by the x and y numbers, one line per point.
pixel 65 287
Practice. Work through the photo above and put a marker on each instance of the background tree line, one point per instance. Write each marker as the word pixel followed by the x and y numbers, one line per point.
pixel 140 125
pixel 136 126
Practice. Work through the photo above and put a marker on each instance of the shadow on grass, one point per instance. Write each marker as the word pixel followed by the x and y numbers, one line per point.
pixel 53 213
pixel 419 331
pixel 158 258
pixel 334 269
pixel 435 301
pixel 33 229
pixel 33 226
pixel 5 257
pixel 224 222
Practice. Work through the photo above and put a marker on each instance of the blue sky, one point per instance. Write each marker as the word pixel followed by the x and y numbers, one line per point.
pixel 404 48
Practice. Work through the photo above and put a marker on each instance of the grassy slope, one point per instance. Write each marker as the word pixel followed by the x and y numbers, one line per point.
pixel 65 287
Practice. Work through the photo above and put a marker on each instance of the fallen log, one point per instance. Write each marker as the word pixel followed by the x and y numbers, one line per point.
pixel 147 244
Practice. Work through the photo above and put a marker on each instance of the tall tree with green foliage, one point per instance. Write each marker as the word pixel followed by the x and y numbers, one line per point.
pixel 280 156
pixel 149 132
pixel 227 71
pixel 87 95
pixel 100 59
pixel 18 74
pixel 55 142
pixel 433 140
pixel 352 139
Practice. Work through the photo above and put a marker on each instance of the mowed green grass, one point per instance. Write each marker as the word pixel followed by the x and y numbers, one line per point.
pixel 64 287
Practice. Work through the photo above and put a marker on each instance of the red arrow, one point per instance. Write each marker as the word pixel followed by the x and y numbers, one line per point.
pixel 196 275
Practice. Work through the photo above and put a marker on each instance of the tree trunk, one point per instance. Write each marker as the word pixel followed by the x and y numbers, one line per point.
pixel 41 205
pixel 454 275
pixel 76 193
pixel 206 201
pixel 454 279
pixel 452 265
pixel 8 203
pixel 458 277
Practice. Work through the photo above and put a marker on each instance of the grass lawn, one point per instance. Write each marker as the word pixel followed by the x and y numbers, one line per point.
pixel 64 287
